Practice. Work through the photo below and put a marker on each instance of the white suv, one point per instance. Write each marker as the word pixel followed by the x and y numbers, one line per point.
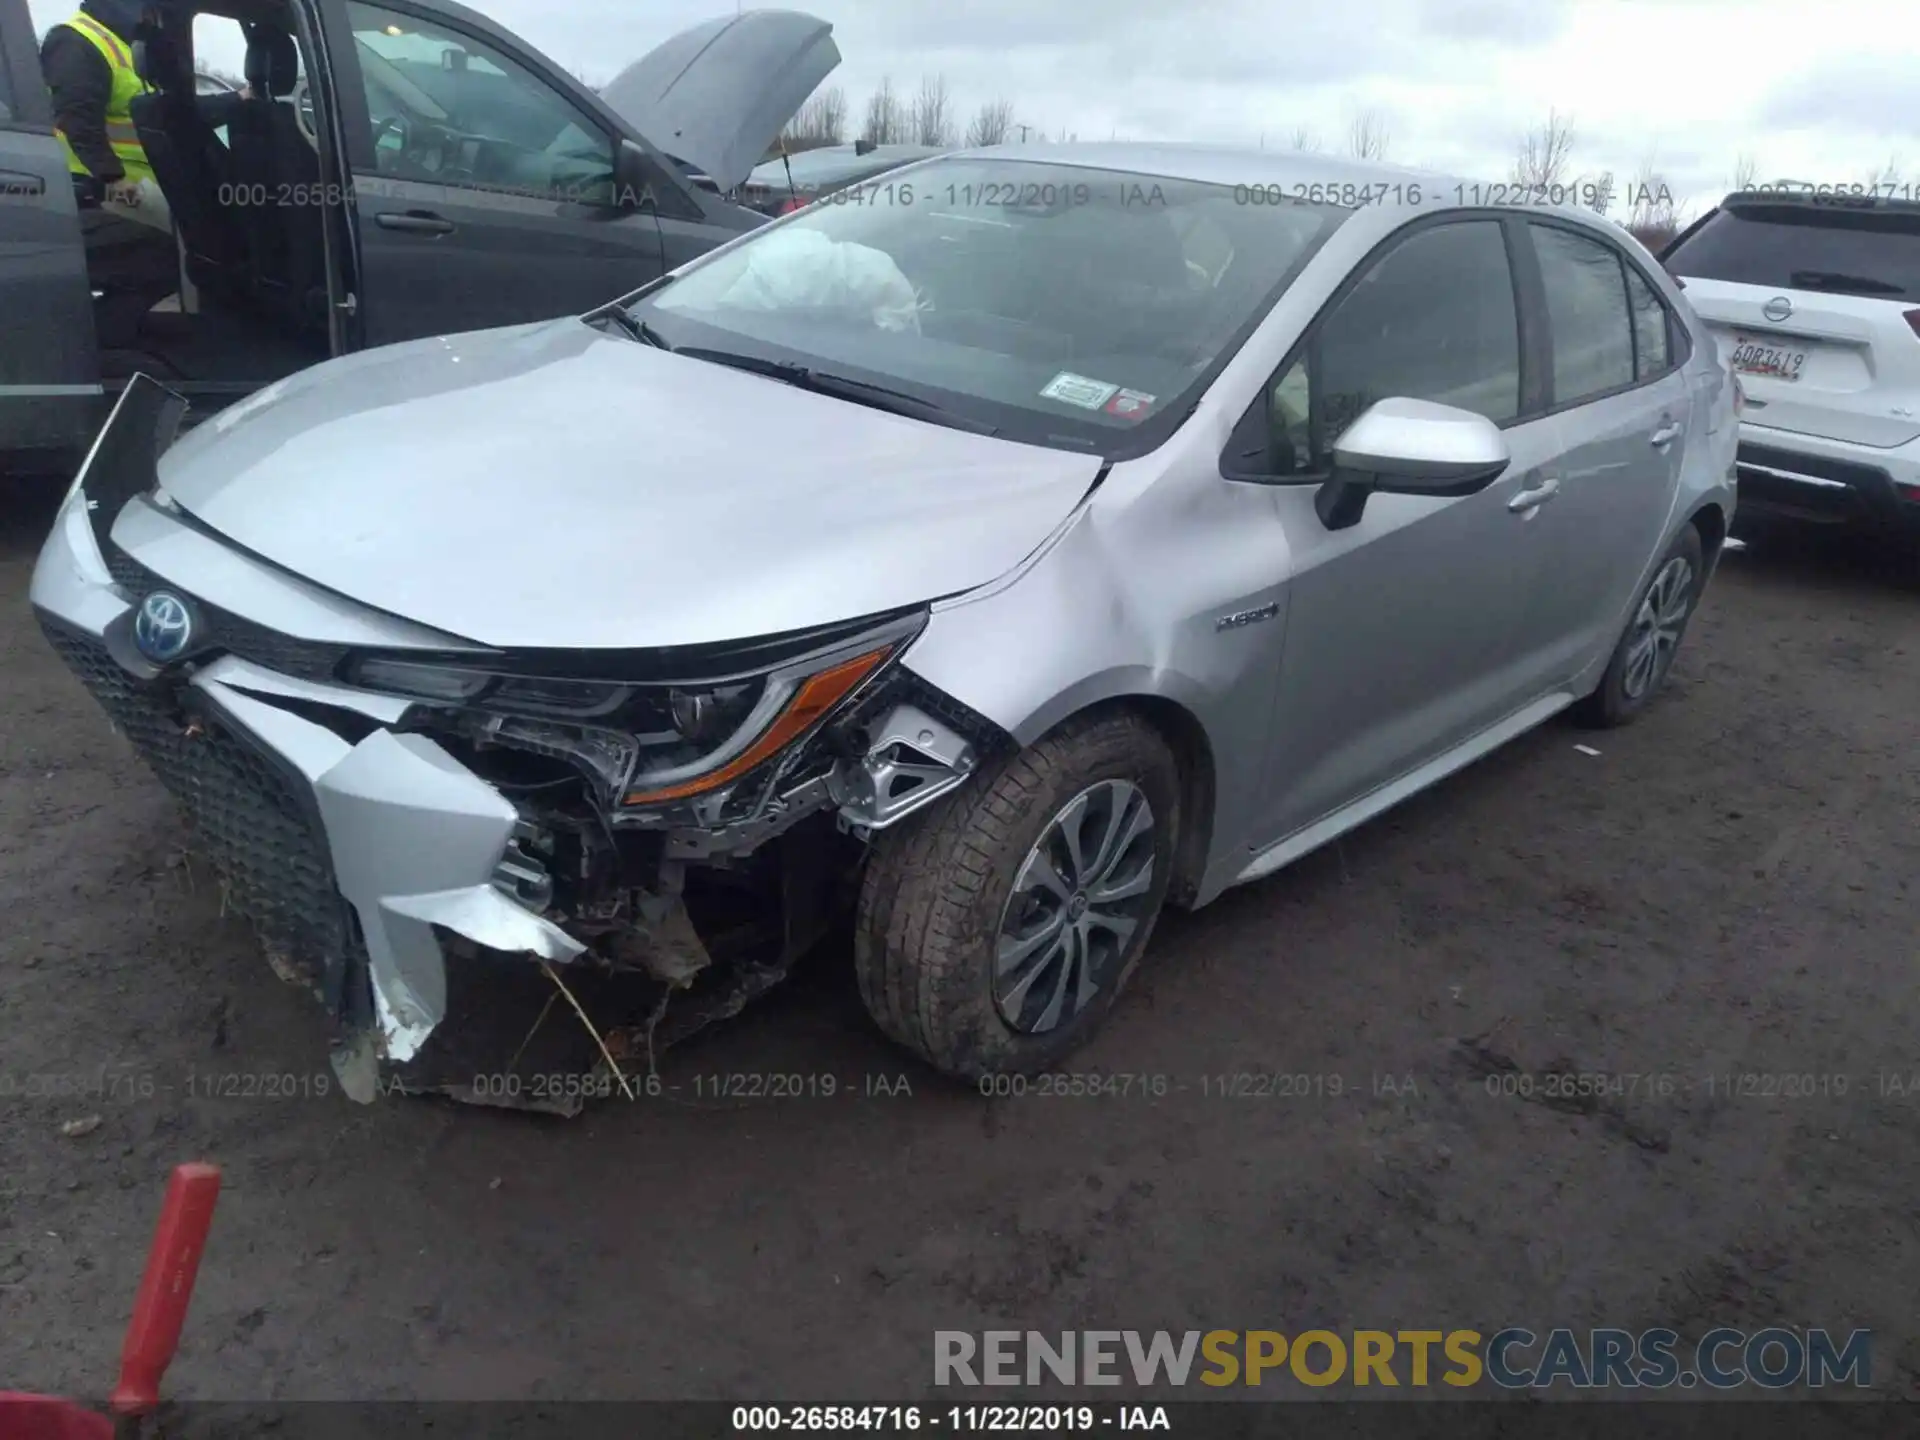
pixel 1815 300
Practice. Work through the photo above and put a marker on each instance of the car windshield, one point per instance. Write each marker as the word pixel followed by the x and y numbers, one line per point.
pixel 1073 307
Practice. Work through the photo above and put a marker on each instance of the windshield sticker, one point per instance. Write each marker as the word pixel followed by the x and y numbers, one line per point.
pixel 1130 404
pixel 1071 389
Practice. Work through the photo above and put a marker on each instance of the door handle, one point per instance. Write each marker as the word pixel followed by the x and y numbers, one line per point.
pixel 419 222
pixel 1665 435
pixel 1528 501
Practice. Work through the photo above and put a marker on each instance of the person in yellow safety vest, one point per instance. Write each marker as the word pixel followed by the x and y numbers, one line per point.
pixel 88 63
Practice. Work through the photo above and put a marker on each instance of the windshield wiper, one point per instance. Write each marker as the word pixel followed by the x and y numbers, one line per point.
pixel 1839 280
pixel 843 387
pixel 639 329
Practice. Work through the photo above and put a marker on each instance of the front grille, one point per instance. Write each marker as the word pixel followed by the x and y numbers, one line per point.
pixel 248 819
pixel 234 634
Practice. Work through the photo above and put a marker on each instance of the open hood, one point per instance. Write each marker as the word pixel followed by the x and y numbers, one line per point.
pixel 718 95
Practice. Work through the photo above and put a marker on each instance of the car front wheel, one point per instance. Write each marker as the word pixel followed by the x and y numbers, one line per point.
pixel 996 929
pixel 1655 627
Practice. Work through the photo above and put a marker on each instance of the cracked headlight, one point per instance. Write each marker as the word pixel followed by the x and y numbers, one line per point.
pixel 643 744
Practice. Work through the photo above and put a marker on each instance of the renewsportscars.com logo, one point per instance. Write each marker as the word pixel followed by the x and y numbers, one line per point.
pixel 1775 1358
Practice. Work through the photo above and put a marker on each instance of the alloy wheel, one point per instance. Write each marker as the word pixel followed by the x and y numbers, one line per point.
pixel 1078 899
pixel 1657 626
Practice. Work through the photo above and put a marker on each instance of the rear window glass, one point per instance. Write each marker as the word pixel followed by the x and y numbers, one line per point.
pixel 1873 253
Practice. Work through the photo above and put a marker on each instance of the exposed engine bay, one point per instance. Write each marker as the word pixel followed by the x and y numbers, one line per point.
pixel 686 912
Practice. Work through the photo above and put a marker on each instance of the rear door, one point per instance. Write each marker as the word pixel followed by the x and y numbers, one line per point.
pixel 483 192
pixel 1815 302
pixel 49 370
pixel 1617 388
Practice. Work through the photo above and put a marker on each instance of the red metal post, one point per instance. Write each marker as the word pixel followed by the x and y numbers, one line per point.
pixel 160 1309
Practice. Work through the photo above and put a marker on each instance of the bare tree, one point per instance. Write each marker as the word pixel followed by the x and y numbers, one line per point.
pixel 992 124
pixel 1303 139
pixel 1746 172
pixel 1595 189
pixel 886 122
pixel 1883 179
pixel 1653 218
pixel 932 118
pixel 1545 155
pixel 1367 136
pixel 821 121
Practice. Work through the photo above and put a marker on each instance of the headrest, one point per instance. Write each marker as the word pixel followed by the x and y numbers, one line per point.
pixel 273 61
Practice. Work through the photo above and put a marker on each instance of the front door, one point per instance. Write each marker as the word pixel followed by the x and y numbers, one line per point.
pixel 50 397
pixel 484 195
pixel 1401 629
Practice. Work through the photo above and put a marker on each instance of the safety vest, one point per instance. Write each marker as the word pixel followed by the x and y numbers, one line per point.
pixel 127 83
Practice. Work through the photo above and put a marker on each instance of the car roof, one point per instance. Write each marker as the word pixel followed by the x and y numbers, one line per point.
pixel 1217 164
pixel 1297 171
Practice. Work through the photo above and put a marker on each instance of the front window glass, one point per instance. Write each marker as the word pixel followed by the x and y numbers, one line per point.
pixel 1074 307
pixel 448 108
pixel 1434 320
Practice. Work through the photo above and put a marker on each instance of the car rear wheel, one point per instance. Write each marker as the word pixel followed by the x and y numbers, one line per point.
pixel 1655 628
pixel 996 929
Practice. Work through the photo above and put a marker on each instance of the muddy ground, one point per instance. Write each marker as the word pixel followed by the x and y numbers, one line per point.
pixel 1725 888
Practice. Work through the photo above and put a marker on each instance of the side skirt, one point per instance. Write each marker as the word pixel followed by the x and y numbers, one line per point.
pixel 1284 852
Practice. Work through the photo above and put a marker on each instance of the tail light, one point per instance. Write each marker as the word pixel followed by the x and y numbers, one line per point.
pixel 794 202
pixel 1912 318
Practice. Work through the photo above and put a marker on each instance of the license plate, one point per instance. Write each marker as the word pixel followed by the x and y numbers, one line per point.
pixel 1761 357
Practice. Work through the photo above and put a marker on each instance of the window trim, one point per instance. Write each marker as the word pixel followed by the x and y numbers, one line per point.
pixel 362 158
pixel 1677 354
pixel 1529 332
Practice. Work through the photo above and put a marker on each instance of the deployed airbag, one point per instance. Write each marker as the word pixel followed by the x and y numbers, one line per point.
pixel 801 269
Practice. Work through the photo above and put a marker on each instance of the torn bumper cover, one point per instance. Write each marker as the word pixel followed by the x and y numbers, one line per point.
pixel 362 849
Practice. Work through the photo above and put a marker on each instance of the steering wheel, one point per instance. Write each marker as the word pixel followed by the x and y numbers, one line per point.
pixel 400 128
pixel 301 99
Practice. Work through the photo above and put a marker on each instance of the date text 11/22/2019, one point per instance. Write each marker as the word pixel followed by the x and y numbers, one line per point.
pixel 959 1419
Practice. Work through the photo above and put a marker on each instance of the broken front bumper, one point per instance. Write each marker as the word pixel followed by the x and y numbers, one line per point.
pixel 356 849
pixel 345 853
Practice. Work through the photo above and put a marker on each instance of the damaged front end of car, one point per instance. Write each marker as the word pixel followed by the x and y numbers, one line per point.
pixel 512 878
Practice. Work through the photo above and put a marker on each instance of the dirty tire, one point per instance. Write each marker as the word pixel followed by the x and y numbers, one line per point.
pixel 935 891
pixel 1611 704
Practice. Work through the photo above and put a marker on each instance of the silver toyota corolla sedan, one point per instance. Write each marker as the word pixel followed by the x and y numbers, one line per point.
pixel 993 556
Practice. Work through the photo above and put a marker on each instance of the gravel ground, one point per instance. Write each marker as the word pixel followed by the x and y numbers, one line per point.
pixel 1723 889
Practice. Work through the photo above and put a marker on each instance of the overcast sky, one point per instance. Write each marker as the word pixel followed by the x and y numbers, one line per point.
pixel 1822 93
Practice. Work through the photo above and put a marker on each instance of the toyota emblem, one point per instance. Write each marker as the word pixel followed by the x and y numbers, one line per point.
pixel 163 629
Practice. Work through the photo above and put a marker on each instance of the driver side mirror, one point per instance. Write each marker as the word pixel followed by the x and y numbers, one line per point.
pixel 1409 447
